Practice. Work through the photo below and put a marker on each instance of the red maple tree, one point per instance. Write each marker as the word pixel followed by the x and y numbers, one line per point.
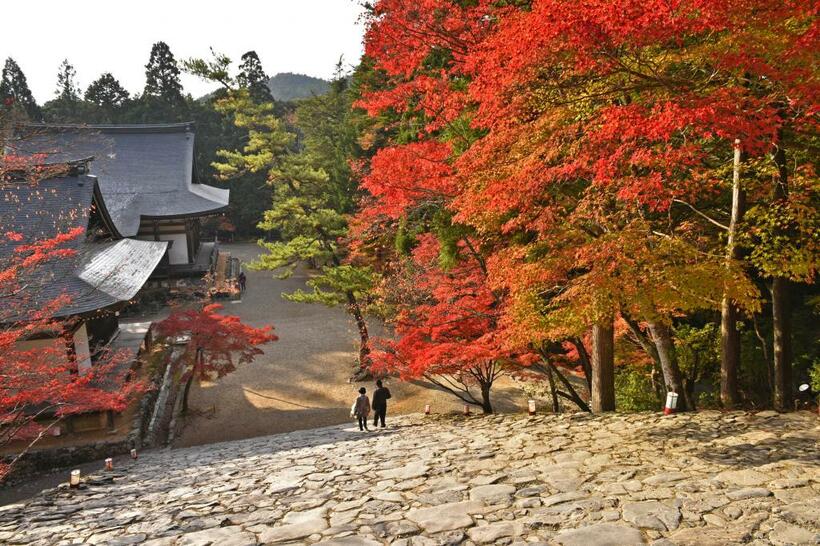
pixel 588 143
pixel 40 385
pixel 214 343
pixel 447 328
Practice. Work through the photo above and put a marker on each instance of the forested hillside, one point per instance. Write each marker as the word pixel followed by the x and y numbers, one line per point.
pixel 287 86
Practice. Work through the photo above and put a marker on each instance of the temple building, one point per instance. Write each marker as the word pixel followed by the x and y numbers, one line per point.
pixel 148 179
pixel 84 290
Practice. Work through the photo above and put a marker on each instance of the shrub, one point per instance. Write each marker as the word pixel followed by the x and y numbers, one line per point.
pixel 633 389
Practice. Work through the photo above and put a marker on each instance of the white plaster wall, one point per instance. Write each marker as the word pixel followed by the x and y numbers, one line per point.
pixel 178 253
pixel 81 350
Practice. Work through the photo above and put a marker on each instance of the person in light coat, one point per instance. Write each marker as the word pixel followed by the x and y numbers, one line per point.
pixel 361 409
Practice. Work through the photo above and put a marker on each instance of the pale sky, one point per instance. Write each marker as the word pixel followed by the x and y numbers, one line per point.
pixel 304 36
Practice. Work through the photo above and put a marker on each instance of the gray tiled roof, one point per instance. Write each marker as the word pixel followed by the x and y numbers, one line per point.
pixel 143 170
pixel 119 268
pixel 96 275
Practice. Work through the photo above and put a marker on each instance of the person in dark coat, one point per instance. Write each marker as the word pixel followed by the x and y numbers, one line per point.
pixel 361 409
pixel 242 281
pixel 380 398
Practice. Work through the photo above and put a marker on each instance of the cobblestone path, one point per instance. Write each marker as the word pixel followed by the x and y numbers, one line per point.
pixel 574 480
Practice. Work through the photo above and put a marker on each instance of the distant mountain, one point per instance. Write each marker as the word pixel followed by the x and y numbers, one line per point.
pixel 287 86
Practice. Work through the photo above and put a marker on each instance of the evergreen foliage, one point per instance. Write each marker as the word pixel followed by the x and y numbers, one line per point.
pixel 15 93
pixel 67 88
pixel 106 92
pixel 253 78
pixel 67 105
pixel 290 87
pixel 162 75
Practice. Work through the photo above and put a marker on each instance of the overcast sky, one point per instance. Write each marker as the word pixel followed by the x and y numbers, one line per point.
pixel 305 36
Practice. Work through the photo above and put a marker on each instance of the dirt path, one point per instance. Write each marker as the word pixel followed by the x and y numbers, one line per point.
pixel 301 381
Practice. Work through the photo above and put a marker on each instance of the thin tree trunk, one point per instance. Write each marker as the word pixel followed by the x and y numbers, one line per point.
pixel 361 325
pixel 364 338
pixel 690 382
pixel 781 326
pixel 650 349
pixel 729 354
pixel 555 407
pixel 486 405
pixel 573 394
pixel 583 356
pixel 603 367
pixel 640 337
pixel 185 393
pixel 781 316
pixel 729 336
pixel 198 363
pixel 764 346
pixel 669 360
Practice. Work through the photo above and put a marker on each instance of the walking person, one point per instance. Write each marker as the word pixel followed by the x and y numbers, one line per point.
pixel 380 398
pixel 242 281
pixel 361 409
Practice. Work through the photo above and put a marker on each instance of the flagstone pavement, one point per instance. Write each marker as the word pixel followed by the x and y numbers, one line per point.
pixel 572 480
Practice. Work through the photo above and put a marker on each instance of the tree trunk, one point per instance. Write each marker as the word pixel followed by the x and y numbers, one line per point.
pixel 486 406
pixel 781 325
pixel 185 393
pixel 689 394
pixel 364 338
pixel 603 367
pixel 690 381
pixel 583 356
pixel 764 347
pixel 729 354
pixel 555 407
pixel 729 336
pixel 781 319
pixel 650 349
pixel 571 394
pixel 662 338
pixel 640 338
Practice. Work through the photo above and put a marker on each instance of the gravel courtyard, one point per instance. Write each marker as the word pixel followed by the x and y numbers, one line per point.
pixel 572 480
pixel 302 380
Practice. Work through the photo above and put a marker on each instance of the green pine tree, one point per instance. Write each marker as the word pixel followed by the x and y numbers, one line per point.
pixel 253 78
pixel 106 92
pixel 67 88
pixel 162 100
pixel 15 94
pixel 67 106
pixel 162 75
pixel 107 97
pixel 313 194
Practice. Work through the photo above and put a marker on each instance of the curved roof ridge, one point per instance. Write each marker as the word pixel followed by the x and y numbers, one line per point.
pixel 147 170
pixel 136 128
